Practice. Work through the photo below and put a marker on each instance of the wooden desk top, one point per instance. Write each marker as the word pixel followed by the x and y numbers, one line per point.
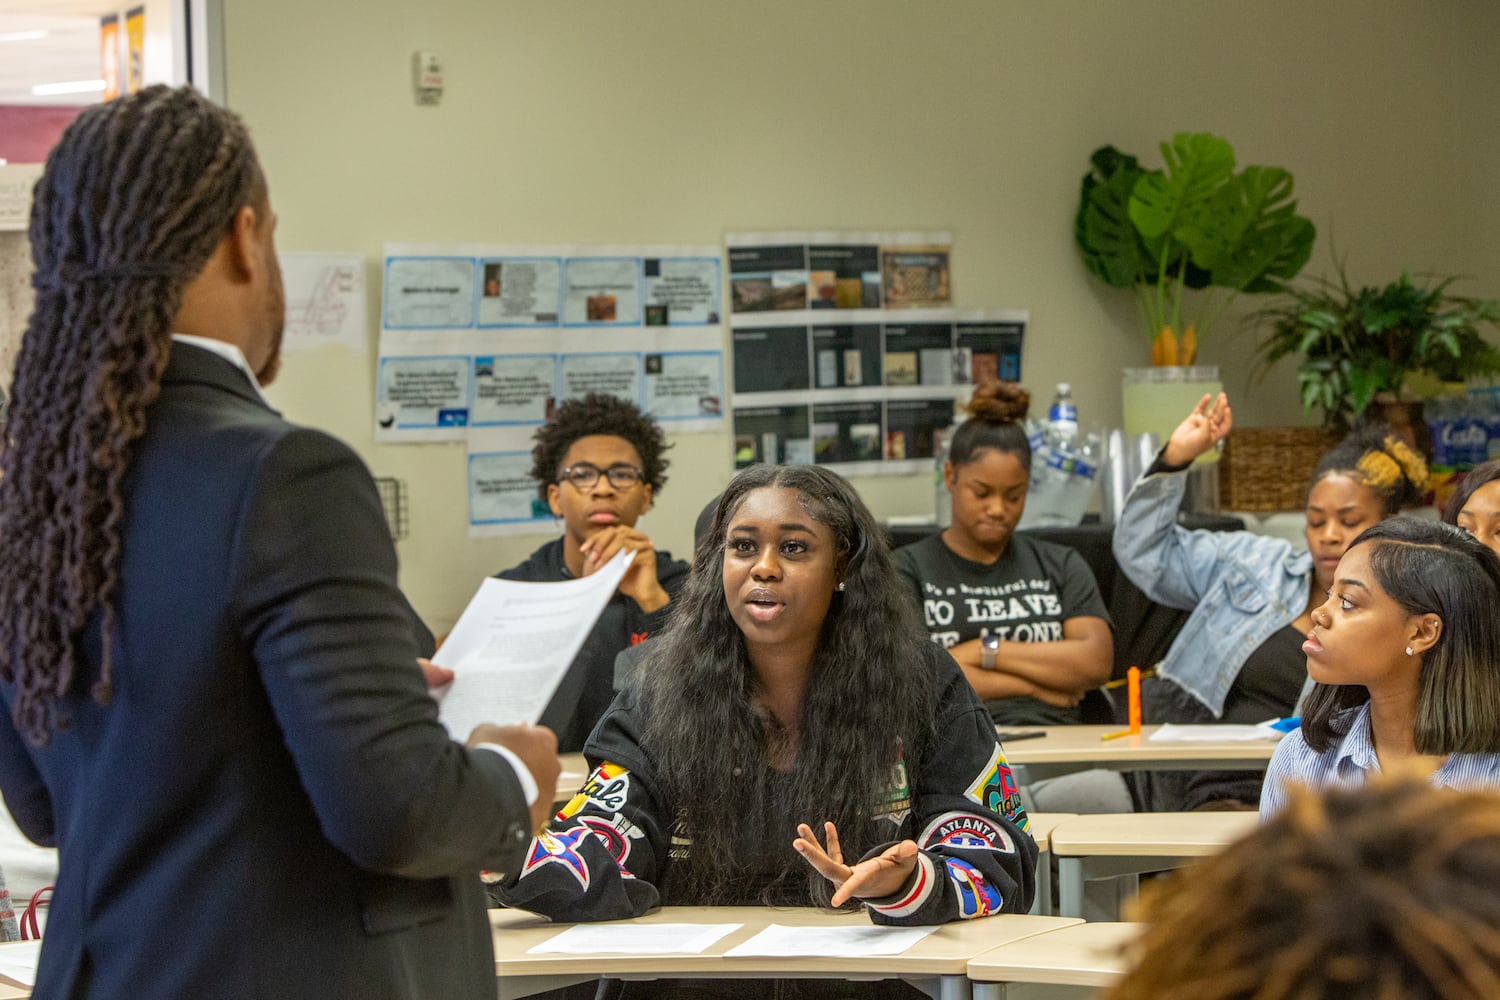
pixel 946 952
pixel 1083 745
pixel 1187 834
pixel 1041 825
pixel 1081 955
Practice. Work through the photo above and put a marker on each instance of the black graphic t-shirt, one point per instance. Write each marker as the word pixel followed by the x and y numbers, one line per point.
pixel 1024 596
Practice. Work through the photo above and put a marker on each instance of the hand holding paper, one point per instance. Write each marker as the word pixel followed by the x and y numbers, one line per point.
pixel 513 644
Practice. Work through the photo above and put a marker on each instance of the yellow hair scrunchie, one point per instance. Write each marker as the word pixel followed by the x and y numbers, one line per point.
pixel 1379 470
pixel 1412 464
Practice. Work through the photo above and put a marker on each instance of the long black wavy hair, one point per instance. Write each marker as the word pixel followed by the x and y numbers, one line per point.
pixel 869 699
pixel 132 203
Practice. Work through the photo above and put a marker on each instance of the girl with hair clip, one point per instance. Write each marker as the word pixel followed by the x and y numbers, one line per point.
pixel 1022 617
pixel 1238 657
pixel 1475 506
pixel 791 738
pixel 1405 653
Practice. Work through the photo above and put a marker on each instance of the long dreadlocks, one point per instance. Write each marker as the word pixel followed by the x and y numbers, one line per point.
pixel 133 202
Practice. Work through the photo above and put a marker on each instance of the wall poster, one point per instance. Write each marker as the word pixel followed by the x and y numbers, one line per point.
pixel 479 342
pixel 847 352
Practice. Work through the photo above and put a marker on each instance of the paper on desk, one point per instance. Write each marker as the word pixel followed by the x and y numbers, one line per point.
pixel 780 940
pixel 513 644
pixel 634 939
pixel 1169 733
pixel 18 961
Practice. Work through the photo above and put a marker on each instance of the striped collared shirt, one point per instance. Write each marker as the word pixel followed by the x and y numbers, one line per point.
pixel 1352 759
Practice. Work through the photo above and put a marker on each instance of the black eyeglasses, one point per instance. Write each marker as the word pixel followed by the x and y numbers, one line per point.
pixel 584 476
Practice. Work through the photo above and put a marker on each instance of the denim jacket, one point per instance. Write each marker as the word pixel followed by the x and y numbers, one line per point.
pixel 1240 587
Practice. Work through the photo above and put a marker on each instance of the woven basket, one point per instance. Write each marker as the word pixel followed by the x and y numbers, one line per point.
pixel 1266 469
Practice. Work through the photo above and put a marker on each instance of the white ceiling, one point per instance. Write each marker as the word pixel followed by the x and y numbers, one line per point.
pixel 69 52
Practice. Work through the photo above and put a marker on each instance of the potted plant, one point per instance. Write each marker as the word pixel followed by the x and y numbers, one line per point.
pixel 1377 345
pixel 1195 224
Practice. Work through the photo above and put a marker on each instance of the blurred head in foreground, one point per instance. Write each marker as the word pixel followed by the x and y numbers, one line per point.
pixel 1386 892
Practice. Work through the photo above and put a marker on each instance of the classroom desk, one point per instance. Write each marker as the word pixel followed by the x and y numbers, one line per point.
pixel 1088 956
pixel 1112 851
pixel 1066 749
pixel 941 957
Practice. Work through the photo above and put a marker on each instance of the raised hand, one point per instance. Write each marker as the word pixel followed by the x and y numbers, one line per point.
pixel 883 875
pixel 1204 428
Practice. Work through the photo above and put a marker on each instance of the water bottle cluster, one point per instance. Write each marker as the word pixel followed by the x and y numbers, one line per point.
pixel 1064 466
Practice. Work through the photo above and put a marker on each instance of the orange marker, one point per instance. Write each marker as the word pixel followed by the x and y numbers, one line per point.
pixel 1133 679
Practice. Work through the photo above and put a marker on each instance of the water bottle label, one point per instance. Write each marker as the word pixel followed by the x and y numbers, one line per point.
pixel 1065 413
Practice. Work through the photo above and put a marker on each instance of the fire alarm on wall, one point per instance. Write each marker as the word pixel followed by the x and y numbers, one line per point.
pixel 427 77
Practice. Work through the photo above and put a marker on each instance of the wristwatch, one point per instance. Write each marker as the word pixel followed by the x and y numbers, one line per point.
pixel 990 645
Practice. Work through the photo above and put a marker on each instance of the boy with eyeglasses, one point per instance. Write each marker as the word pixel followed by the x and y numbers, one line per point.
pixel 598 464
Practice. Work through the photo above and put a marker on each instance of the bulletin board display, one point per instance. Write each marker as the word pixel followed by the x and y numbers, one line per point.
pixel 846 351
pixel 480 343
pixel 487 336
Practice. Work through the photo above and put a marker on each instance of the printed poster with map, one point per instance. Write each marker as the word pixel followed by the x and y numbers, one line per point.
pixel 325 301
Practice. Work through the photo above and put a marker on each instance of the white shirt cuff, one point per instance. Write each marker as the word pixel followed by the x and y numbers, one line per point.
pixel 523 773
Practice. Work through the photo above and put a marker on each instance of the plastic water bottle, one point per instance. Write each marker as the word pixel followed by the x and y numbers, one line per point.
pixel 1082 479
pixel 1467 436
pixel 1439 416
pixel 1062 417
pixel 1064 470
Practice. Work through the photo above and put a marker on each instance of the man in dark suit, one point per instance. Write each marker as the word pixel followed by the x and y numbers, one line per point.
pixel 213 703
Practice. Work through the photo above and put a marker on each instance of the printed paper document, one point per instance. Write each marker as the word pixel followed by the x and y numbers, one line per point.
pixel 634 939
pixel 781 940
pixel 513 644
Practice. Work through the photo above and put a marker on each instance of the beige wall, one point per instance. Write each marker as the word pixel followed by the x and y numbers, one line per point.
pixel 671 121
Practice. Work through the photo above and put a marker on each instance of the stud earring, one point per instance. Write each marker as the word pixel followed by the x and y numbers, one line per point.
pixel 1408 650
pixel 841 586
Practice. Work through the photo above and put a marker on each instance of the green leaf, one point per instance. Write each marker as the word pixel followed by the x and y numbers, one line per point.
pixel 1112 249
pixel 1196 166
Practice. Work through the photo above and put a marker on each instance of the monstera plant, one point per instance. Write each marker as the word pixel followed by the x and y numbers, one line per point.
pixel 1194 225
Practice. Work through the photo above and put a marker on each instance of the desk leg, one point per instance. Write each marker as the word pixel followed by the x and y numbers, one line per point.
pixel 1043 904
pixel 955 988
pixel 1094 888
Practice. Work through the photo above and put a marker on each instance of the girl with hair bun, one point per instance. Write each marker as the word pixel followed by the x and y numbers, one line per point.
pixel 1022 617
pixel 1239 656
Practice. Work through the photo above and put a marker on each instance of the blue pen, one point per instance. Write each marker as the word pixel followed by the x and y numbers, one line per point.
pixel 1286 725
